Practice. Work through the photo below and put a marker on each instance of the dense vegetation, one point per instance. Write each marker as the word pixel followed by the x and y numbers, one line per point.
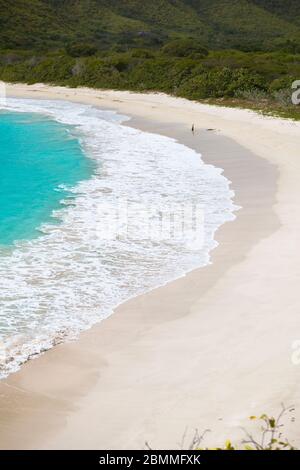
pixel 233 51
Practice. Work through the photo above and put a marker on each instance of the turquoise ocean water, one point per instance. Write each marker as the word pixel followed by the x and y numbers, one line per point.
pixel 39 157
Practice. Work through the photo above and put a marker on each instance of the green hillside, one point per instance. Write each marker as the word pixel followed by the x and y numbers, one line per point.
pixel 287 9
pixel 244 52
pixel 241 24
pixel 244 24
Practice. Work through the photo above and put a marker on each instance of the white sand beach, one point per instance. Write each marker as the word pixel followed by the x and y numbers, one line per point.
pixel 206 351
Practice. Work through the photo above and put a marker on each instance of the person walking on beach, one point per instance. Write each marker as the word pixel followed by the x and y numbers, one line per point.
pixel 193 129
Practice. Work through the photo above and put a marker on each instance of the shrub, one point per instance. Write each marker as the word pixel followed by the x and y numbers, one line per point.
pixel 185 48
pixel 142 54
pixel 283 97
pixel 81 50
pixel 218 83
pixel 270 435
pixel 281 84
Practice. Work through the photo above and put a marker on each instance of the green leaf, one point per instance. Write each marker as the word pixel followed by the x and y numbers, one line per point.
pixel 272 422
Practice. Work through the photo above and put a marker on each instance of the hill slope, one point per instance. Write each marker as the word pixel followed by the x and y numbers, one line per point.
pixel 236 52
pixel 242 24
pixel 287 9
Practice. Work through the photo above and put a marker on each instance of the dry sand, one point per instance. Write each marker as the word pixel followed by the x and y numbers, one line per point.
pixel 205 351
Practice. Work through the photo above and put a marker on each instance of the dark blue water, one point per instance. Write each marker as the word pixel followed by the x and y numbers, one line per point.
pixel 37 156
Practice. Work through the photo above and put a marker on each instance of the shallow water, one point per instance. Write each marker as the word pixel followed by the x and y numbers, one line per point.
pixel 37 155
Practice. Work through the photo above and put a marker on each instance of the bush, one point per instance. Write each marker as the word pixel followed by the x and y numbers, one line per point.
pixel 218 83
pixel 283 97
pixel 269 435
pixel 185 48
pixel 142 54
pixel 51 70
pixel 96 73
pixel 262 78
pixel 281 84
pixel 81 50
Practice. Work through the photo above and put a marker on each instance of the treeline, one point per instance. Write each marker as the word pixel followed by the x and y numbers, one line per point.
pixel 182 67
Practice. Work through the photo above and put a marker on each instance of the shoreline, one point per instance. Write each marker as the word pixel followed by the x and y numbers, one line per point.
pixel 158 353
pixel 130 162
